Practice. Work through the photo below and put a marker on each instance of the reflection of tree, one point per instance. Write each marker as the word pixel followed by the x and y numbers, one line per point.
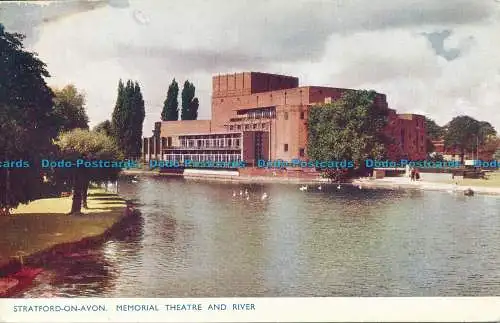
pixel 89 269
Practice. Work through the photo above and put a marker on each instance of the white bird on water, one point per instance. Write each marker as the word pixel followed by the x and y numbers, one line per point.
pixel 241 192
pixel 246 192
pixel 248 197
pixel 319 188
pixel 134 181
pixel 338 187
pixel 234 194
pixel 303 188
pixel 264 196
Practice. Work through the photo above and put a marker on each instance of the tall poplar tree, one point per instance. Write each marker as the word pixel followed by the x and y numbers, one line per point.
pixel 189 102
pixel 171 105
pixel 137 115
pixel 128 119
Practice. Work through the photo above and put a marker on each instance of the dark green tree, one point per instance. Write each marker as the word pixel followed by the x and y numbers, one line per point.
pixel 104 127
pixel 128 118
pixel 69 109
pixel 190 103
pixel 350 128
pixel 194 109
pixel 27 121
pixel 118 117
pixel 465 134
pixel 434 131
pixel 170 110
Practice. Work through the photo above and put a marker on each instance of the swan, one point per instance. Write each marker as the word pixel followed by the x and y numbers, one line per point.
pixel 246 192
pixel 303 188
pixel 338 187
pixel 241 192
pixel 264 196
pixel 248 197
pixel 319 188
pixel 134 181
pixel 234 193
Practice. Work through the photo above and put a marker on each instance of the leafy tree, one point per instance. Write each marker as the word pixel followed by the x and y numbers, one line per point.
pixel 90 146
pixel 69 109
pixel 171 105
pixel 104 127
pixel 465 133
pixel 118 118
pixel 350 128
pixel 434 131
pixel 189 102
pixel 27 124
pixel 137 115
pixel 194 109
pixel 128 118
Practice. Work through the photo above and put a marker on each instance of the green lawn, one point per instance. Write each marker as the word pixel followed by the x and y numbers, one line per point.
pixel 492 181
pixel 45 223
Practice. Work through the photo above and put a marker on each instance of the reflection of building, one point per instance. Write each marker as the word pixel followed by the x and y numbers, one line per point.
pixel 263 116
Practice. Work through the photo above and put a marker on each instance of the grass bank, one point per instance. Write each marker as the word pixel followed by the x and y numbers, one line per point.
pixel 45 223
pixel 493 180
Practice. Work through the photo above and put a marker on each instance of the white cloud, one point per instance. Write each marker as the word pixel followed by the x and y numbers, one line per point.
pixel 369 44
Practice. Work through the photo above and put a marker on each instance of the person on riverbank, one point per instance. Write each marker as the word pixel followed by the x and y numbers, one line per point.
pixel 413 173
pixel 417 175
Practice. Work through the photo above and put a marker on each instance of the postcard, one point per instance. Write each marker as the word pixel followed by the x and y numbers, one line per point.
pixel 237 161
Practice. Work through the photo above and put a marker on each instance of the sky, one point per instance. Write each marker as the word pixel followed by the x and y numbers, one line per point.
pixel 440 58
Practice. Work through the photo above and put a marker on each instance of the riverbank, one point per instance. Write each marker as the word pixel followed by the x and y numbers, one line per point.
pixel 245 179
pixel 44 227
pixel 405 183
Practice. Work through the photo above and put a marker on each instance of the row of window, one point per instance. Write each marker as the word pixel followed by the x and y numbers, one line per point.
pixel 210 143
pixel 203 157
pixel 254 126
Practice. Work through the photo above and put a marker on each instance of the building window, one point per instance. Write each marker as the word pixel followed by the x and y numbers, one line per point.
pixel 285 147
pixel 301 152
pixel 286 115
pixel 239 127
pixel 255 126
pixel 247 127
pixel 302 115
pixel 237 142
pixel 231 127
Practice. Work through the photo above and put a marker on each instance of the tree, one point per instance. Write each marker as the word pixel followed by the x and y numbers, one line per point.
pixel 89 146
pixel 69 109
pixel 189 102
pixel 104 127
pixel 465 134
pixel 138 113
pixel 27 124
pixel 350 128
pixel 128 118
pixel 434 131
pixel 194 109
pixel 171 105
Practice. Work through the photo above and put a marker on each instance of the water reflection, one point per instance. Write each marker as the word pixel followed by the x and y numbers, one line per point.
pixel 197 239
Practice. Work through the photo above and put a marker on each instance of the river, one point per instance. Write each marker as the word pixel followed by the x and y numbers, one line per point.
pixel 197 240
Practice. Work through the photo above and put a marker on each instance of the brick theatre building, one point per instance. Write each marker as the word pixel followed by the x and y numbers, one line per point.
pixel 263 116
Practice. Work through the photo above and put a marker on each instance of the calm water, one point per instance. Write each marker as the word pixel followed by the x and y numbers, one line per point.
pixel 196 239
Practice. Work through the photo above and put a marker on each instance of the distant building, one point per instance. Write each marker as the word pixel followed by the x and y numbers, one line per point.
pixel 263 116
pixel 484 153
